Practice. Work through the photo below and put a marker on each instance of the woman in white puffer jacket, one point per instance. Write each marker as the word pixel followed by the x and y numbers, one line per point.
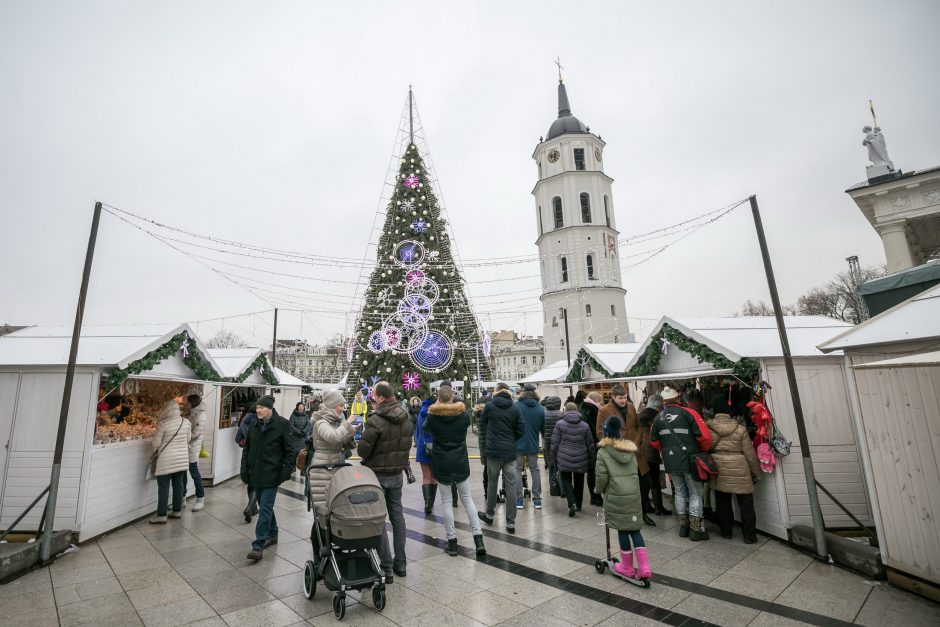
pixel 171 443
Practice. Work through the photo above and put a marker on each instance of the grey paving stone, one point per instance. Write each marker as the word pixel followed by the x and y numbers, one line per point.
pixel 182 612
pixel 715 611
pixel 527 592
pixel 552 564
pixel 488 607
pixel 443 617
pixel 160 593
pixel 577 610
pixel 30 617
pixel 231 599
pixel 98 610
pixel 80 574
pixel 270 566
pixel 145 578
pixel 87 590
pixel 272 614
pixel 284 585
pixel 306 608
pixel 536 618
pixel 435 584
pixel 626 618
pixel 766 619
pixel 213 582
pixel 89 555
pixel 886 605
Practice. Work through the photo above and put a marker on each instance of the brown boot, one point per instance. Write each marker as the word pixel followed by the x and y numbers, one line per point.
pixel 683 525
pixel 698 530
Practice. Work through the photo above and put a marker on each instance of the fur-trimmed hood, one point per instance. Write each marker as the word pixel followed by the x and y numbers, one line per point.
pixel 627 446
pixel 446 409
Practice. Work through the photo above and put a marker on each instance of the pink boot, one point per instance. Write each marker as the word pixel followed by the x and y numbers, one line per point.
pixel 643 564
pixel 625 565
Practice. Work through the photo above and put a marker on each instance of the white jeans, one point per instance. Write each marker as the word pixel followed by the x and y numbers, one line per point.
pixel 463 491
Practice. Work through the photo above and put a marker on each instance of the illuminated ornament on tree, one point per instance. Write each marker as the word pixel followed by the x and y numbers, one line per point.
pixel 412 181
pixel 350 349
pixel 414 309
pixel 383 296
pixel 408 205
pixel 411 381
pixel 487 344
pixel 435 353
pixel 377 342
pixel 184 348
pixel 420 225
pixel 428 289
pixel 392 337
pixel 414 278
pixel 408 253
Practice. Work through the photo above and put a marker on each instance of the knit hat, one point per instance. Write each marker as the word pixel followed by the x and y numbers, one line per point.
pixel 669 394
pixel 612 427
pixel 333 399
pixel 529 387
pixel 266 401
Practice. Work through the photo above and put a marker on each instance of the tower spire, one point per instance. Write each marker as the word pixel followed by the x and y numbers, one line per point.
pixel 411 117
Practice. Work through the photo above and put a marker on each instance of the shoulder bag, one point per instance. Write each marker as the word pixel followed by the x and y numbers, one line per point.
pixel 152 465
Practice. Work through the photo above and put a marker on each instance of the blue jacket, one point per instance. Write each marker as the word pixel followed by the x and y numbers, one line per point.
pixel 242 431
pixel 421 436
pixel 533 415
pixel 500 426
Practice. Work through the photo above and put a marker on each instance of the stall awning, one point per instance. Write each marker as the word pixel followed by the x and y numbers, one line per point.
pixel 670 376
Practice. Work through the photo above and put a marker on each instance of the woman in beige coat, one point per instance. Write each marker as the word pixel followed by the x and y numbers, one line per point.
pixel 738 470
pixel 171 444
pixel 332 434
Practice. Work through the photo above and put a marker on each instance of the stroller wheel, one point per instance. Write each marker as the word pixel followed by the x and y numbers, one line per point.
pixel 310 579
pixel 600 567
pixel 339 606
pixel 378 598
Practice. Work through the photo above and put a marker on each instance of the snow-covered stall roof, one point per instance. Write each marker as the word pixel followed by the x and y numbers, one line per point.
pixel 553 373
pixel 233 361
pixel 104 345
pixel 286 379
pixel 916 319
pixel 613 357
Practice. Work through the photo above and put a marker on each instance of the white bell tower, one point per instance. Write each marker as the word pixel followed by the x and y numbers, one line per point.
pixel 577 239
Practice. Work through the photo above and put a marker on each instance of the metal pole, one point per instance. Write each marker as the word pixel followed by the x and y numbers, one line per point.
pixel 819 525
pixel 46 549
pixel 564 312
pixel 478 371
pixel 411 117
pixel 274 342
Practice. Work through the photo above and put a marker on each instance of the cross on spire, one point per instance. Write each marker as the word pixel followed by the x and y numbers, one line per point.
pixel 560 68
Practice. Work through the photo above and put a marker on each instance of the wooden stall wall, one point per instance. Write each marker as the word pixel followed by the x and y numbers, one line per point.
pixel 831 433
pixel 901 416
pixel 31 434
pixel 118 491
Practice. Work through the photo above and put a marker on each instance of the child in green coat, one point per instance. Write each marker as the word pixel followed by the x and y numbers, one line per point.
pixel 619 483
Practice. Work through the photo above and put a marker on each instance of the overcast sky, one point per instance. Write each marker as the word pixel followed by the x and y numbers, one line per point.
pixel 274 123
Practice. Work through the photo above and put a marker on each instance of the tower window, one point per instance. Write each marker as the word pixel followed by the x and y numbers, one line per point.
pixel 540 169
pixel 606 211
pixel 585 207
pixel 539 218
pixel 579 158
pixel 590 266
pixel 562 342
pixel 613 310
pixel 590 339
pixel 559 214
pixel 587 311
pixel 564 269
pixel 616 339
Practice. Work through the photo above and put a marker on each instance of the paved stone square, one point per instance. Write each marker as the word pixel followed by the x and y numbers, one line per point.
pixel 193 571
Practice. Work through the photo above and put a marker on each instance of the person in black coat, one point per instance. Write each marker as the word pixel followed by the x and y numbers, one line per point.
pixel 589 408
pixel 447 422
pixel 654 405
pixel 501 425
pixel 267 462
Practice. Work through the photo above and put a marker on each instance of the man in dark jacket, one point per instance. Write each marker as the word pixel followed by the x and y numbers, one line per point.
pixel 384 447
pixel 500 426
pixel 267 462
pixel 678 434
pixel 654 405
pixel 527 446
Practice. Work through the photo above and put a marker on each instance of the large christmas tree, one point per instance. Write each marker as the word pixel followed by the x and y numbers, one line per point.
pixel 416 325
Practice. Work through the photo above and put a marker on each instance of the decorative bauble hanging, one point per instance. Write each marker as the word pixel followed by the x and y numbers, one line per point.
pixel 411 381
pixel 408 253
pixel 435 353
pixel 420 225
pixel 414 309
pixel 377 342
pixel 412 181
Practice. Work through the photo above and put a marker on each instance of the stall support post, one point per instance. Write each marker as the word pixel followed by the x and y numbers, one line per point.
pixel 274 342
pixel 819 525
pixel 49 527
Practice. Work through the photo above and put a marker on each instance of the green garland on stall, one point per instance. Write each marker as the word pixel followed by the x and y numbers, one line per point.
pixel 577 368
pixel 266 372
pixel 747 369
pixel 194 360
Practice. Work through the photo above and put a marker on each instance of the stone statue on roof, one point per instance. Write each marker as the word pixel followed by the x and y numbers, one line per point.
pixel 877 150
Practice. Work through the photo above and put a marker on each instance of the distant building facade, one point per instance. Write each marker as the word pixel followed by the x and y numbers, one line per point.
pixel 314 363
pixel 515 360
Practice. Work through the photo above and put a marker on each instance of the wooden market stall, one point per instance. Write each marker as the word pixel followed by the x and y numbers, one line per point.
pixel 123 376
pixel 744 350
pixel 893 367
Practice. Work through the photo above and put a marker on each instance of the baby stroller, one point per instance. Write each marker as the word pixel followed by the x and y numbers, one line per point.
pixel 345 536
pixel 521 492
